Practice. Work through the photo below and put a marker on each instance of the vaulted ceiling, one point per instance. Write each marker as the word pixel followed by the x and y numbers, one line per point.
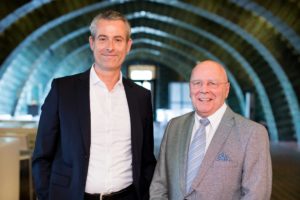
pixel 258 41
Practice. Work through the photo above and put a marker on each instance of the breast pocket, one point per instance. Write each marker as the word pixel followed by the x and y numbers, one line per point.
pixel 225 164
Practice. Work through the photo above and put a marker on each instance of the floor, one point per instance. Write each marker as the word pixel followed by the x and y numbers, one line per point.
pixel 286 172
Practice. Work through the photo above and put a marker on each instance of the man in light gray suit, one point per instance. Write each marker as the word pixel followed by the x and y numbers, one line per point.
pixel 236 163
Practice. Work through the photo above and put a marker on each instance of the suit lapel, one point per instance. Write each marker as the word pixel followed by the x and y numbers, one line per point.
pixel 184 148
pixel 83 105
pixel 216 144
pixel 136 128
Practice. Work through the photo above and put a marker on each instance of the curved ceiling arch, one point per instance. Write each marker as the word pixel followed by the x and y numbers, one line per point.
pixel 285 89
pixel 78 57
pixel 193 59
pixel 75 62
pixel 190 45
pixel 179 23
pixel 20 12
pixel 49 26
pixel 284 82
pixel 62 42
pixel 288 33
pixel 170 62
pixel 50 57
pixel 258 84
pixel 86 9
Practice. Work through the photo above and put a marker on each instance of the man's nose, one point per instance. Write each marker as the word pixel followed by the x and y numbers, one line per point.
pixel 110 46
pixel 204 87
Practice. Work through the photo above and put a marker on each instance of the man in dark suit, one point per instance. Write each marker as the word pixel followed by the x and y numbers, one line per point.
pixel 95 135
pixel 234 151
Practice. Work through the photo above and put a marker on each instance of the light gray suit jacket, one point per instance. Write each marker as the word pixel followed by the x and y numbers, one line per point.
pixel 237 163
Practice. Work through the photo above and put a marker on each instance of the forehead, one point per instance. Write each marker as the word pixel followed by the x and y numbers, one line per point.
pixel 111 27
pixel 208 72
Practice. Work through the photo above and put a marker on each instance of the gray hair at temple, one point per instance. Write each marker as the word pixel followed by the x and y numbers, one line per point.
pixel 109 15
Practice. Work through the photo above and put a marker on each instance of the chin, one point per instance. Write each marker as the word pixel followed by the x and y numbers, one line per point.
pixel 202 113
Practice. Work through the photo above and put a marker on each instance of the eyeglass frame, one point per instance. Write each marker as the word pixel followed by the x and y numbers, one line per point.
pixel 210 84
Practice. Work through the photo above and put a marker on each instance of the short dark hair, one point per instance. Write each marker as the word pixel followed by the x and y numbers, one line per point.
pixel 109 15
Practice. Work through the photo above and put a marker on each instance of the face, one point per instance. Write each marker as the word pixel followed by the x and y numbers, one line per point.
pixel 110 44
pixel 209 87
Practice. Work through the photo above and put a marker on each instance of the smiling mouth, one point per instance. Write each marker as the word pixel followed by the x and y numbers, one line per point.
pixel 109 55
pixel 204 99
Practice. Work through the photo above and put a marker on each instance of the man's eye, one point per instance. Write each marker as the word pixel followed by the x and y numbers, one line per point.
pixel 197 82
pixel 101 39
pixel 118 40
pixel 212 83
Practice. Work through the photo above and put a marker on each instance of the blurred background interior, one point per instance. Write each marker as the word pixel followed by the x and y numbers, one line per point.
pixel 258 41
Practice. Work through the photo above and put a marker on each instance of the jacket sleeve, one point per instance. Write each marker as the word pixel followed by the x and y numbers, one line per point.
pixel 159 184
pixel 148 158
pixel 46 141
pixel 257 169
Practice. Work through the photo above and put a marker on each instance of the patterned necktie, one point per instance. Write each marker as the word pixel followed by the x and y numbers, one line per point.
pixel 196 153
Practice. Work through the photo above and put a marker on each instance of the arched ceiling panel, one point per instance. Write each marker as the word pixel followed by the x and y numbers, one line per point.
pixel 272 56
pixel 177 48
pixel 177 56
pixel 20 12
pixel 228 29
pixel 188 46
pixel 244 65
pixel 158 17
pixel 47 63
pixel 170 62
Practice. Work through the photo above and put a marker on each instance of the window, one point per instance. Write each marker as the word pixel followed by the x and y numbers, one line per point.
pixel 143 75
pixel 179 95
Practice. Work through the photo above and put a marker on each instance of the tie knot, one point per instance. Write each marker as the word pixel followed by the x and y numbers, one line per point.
pixel 204 122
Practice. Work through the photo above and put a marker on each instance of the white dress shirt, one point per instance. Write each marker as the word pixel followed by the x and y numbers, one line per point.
pixel 214 122
pixel 110 164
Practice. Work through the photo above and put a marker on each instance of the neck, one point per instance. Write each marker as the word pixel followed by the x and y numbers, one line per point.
pixel 109 78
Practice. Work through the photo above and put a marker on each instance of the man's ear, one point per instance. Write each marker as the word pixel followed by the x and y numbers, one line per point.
pixel 227 89
pixel 92 42
pixel 129 43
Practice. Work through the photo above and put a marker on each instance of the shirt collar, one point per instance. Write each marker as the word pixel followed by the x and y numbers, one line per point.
pixel 96 80
pixel 215 118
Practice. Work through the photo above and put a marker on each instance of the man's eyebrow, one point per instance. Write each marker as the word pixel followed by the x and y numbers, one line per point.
pixel 101 36
pixel 119 36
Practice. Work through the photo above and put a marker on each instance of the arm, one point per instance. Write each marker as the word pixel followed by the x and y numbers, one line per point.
pixel 257 169
pixel 45 144
pixel 149 161
pixel 159 184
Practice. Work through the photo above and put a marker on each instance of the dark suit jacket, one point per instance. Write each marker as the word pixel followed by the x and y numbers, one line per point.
pixel 61 156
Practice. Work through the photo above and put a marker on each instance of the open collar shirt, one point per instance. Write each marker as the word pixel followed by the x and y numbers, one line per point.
pixel 214 122
pixel 110 164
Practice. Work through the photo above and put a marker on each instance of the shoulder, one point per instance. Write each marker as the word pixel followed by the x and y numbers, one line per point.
pixel 184 117
pixel 71 79
pixel 182 120
pixel 83 75
pixel 245 123
pixel 246 129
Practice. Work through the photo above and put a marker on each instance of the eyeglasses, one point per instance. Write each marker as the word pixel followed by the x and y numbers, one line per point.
pixel 209 84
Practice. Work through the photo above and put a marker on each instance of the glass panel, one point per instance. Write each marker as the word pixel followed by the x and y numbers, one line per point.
pixel 141 75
